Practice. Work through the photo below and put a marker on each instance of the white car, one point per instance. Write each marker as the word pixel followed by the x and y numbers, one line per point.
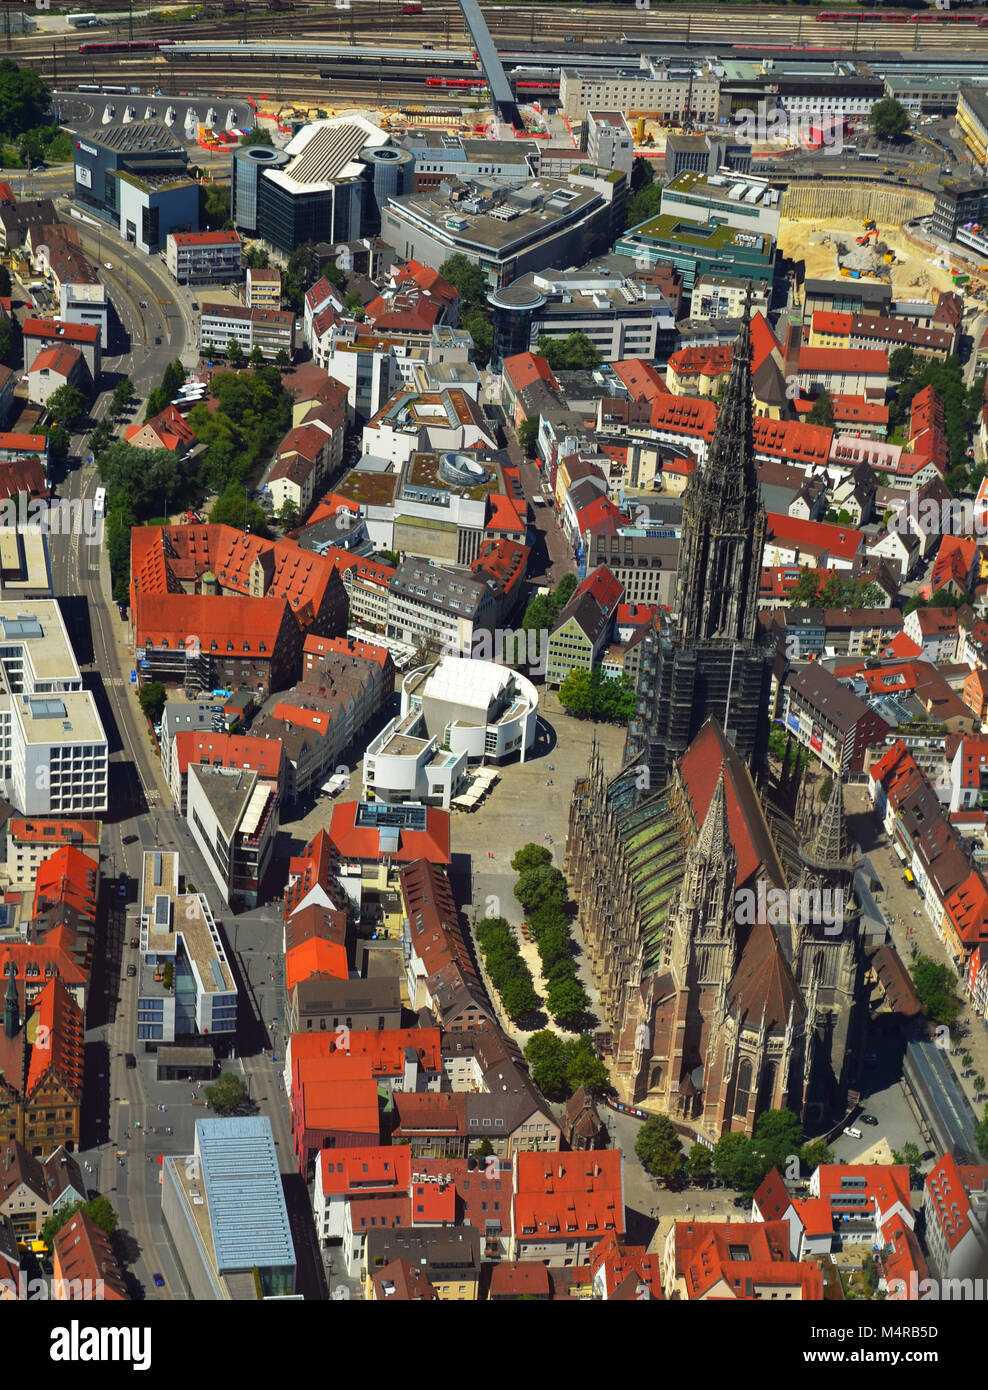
pixel 107 265
pixel 853 1133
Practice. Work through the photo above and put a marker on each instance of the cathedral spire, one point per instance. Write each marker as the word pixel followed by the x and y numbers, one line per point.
pixel 713 843
pixel 723 520
pixel 11 1012
pixel 830 849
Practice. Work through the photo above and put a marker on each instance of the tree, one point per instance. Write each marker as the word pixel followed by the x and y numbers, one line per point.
pixel 66 406
pixel 540 886
pixel 567 1002
pixel 476 322
pixel 354 306
pixel 234 508
pixel 966 1060
pixel 483 1150
pixel 888 119
pixel 59 442
pixel 574 353
pixel 576 694
pixel 99 1210
pixel 979 1083
pixel 901 363
pixel 584 1068
pixel 151 699
pixel 282 358
pixel 332 273
pixel 518 997
pixel 148 481
pixel 466 277
pixel 530 856
pixel 6 340
pixel 260 135
pixel 234 353
pixel 699 1163
pixel 804 591
pixel 214 206
pixel 288 514
pixel 822 412
pixel 909 1155
pixel 301 272
pixel 659 1148
pixel 24 99
pixel 528 434
pixel 122 393
pixel 227 1094
pixel 4 281
pixel 814 1152
pixel 642 174
pixel 934 986
pixel 173 378
pixel 643 205
pixel 256 355
pixel 732 1154
pixel 545 1053
pixel 778 1135
pixel 257 258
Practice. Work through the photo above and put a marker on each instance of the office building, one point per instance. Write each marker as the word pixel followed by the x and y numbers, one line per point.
pixel 202 258
pixel 249 165
pixel 85 302
pixel 233 816
pixel 186 989
pixel 53 751
pixel 515 320
pixel 674 90
pixel 972 118
pixel 507 230
pixel 224 1207
pixel 135 178
pixel 733 200
pixel 608 141
pixel 271 330
pixel 696 249
pixel 960 203
pixel 705 154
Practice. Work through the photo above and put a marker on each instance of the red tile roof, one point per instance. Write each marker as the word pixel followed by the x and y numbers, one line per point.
pixel 206 238
pixel 603 587
pixel 568 1195
pixel 690 415
pixel 363 844
pixel 23 830
pixel 867 361
pixel 792 439
pixel 84 1259
pixel 824 322
pixel 948 1185
pixel 642 381
pixel 364 1171
pixel 67 876
pixel 710 360
pixel 527 367
pixel 61 1056
pixel 264 756
pixel 58 359
pixel 68 332
pixel 841 541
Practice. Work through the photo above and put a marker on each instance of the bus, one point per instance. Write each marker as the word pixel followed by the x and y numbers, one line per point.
pixel 81 21
pixel 99 502
pixel 865 155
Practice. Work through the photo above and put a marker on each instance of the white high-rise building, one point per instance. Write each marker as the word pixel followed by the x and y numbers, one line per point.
pixel 53 751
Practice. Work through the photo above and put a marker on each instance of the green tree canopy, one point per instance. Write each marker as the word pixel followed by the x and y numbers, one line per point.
pixel 901 363
pixel 573 353
pixel 934 986
pixel 233 508
pixel 567 1002
pixel 466 277
pixel 151 699
pixel 778 1137
pixel 530 856
pixel 699 1163
pixel 214 206
pixel 518 997
pixel 67 405
pixel 528 435
pixel 99 1210
pixel 584 1068
pixel 150 482
pixel 288 514
pixel 545 1053
pixel 227 1095
pixel 122 393
pixel 260 135
pixel 888 119
pixel 234 353
pixel 814 1152
pixel 24 99
pixel 822 411
pixel 659 1148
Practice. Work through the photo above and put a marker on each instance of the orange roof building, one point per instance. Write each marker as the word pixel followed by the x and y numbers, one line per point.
pixel 564 1203
pixel 713 1260
pixel 84 1264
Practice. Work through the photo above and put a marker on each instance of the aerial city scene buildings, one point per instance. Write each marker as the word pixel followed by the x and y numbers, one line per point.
pixel 494 657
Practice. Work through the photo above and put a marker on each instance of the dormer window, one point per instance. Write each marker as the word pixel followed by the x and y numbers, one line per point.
pixel 229 646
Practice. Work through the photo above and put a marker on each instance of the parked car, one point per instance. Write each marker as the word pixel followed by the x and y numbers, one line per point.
pixel 869 1120
pixel 159 1282
pixel 853 1133
pixel 131 971
pixel 130 1060
pixel 157 342
pixel 129 839
pixel 134 943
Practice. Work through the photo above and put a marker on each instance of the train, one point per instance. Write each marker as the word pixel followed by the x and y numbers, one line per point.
pixel 470 83
pixel 126 46
pixel 979 17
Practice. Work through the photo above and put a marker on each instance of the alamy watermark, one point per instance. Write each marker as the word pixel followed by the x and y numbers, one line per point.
pixel 818 907
pixel 766 124
pixel 62 516
pixel 510 646
pixel 951 516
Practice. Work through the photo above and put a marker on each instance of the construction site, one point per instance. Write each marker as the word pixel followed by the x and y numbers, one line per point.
pixel 863 249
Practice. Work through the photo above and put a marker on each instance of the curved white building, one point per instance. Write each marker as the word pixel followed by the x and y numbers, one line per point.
pixel 479 708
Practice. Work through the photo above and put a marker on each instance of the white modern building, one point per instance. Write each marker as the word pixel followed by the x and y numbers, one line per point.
pixel 53 750
pixel 403 763
pixel 197 996
pixel 272 330
pixel 81 302
pixel 233 817
pixel 480 708
pixel 620 314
